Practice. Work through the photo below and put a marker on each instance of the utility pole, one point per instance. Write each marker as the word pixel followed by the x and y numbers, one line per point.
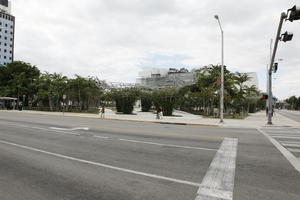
pixel 270 96
pixel 267 76
pixel 291 15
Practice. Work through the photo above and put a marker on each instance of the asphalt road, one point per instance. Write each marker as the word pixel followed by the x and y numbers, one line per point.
pixel 48 157
pixel 294 115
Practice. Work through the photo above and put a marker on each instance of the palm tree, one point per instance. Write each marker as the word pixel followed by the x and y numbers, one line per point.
pixel 240 79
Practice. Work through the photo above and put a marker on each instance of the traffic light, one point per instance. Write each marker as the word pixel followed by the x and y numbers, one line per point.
pixel 275 67
pixel 264 96
pixel 294 13
pixel 287 36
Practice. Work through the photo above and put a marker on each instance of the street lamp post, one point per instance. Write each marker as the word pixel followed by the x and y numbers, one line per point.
pixel 222 72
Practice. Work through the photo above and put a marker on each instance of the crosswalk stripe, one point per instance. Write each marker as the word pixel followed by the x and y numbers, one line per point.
pixel 294 150
pixel 289 142
pixel 295 162
pixel 291 145
pixel 287 137
pixel 218 183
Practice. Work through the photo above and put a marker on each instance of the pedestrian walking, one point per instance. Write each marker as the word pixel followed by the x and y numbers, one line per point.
pixel 20 106
pixel 158 113
pixel 102 112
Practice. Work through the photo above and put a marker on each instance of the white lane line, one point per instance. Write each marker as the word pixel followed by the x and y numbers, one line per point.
pixel 288 155
pixel 167 145
pixel 218 182
pixel 101 137
pixel 44 129
pixel 102 165
pixel 55 131
pixel 71 129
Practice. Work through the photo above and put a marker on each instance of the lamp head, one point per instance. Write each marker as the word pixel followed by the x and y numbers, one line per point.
pixel 216 17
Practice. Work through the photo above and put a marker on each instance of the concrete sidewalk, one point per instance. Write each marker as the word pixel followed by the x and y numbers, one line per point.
pixel 256 120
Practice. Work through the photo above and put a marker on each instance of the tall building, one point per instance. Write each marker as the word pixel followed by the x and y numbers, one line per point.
pixel 7 32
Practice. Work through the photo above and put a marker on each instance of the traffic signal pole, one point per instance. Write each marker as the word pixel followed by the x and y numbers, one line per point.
pixel 270 96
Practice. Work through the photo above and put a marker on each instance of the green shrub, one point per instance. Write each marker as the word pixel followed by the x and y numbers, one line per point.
pixel 146 102
pixel 166 99
pixel 125 99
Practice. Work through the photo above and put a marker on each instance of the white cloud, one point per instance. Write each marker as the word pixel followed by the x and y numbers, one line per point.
pixel 115 38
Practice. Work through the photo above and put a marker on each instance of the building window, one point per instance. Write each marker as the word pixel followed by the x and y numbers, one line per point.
pixel 5 25
pixel 5 50
pixel 11 32
pixel 4 57
pixel 10 52
pixel 11 27
pixel 5 44
pixel 5 38
pixel 10 39
pixel 5 31
pixel 10 58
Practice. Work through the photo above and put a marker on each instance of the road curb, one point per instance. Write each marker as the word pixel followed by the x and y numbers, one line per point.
pixel 158 122
pixel 126 120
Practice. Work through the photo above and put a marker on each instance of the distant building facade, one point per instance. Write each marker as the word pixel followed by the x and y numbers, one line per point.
pixel 154 78
pixel 253 79
pixel 162 78
pixel 7 33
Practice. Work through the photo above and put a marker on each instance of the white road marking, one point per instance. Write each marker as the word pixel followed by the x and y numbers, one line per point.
pixel 284 135
pixel 56 131
pixel 280 130
pixel 218 182
pixel 101 137
pixel 102 165
pixel 288 155
pixel 294 150
pixel 167 145
pixel 44 129
pixel 290 145
pixel 289 142
pixel 287 137
pixel 71 129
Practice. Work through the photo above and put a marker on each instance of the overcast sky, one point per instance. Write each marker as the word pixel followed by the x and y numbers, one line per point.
pixel 114 39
